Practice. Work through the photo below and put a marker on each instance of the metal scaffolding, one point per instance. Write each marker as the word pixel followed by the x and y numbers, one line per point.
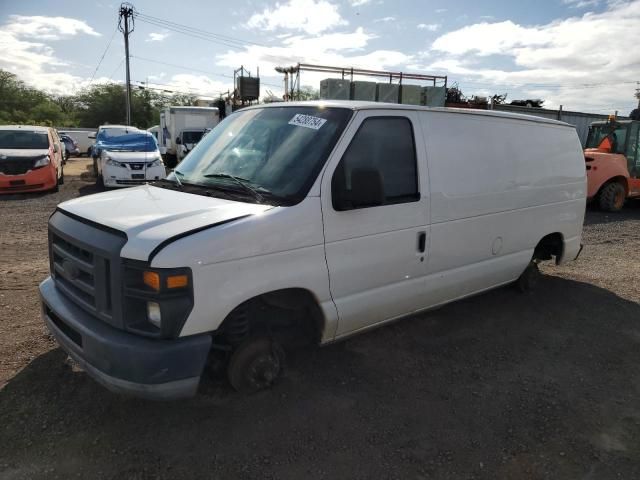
pixel 292 76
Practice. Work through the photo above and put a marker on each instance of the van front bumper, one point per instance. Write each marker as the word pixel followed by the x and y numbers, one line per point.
pixel 123 362
pixel 116 177
pixel 38 180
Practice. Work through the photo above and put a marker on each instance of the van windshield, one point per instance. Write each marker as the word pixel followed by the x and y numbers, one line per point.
pixel 274 152
pixel 20 139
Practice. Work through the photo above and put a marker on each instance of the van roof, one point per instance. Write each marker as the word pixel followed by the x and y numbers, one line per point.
pixel 102 127
pixel 194 108
pixel 33 128
pixel 362 105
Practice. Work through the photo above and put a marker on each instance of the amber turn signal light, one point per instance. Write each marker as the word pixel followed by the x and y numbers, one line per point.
pixel 152 280
pixel 177 281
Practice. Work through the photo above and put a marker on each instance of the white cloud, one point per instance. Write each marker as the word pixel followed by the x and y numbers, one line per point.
pixel 310 16
pixel 199 85
pixel 157 36
pixel 557 59
pixel 47 28
pixel 24 54
pixel 358 3
pixel 431 27
pixel 384 20
pixel 346 49
pixel 581 3
pixel 441 10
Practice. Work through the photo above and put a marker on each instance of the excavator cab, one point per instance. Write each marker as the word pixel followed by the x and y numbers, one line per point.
pixel 612 155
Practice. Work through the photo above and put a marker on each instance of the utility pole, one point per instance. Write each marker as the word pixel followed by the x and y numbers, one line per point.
pixel 126 25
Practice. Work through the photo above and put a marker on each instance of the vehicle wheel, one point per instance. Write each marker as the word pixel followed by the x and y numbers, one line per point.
pixel 255 365
pixel 612 197
pixel 529 278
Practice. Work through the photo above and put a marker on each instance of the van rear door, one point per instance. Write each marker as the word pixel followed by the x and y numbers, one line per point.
pixel 375 205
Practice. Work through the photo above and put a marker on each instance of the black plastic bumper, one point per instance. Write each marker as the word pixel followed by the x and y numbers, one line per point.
pixel 123 362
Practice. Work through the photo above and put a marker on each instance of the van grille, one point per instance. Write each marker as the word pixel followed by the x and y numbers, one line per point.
pixel 17 165
pixel 85 263
pixel 79 272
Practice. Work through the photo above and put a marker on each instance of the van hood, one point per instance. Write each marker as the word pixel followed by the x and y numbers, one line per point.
pixel 23 152
pixel 125 156
pixel 150 215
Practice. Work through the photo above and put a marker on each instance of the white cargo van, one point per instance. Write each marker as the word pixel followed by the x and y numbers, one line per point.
pixel 305 221
pixel 181 128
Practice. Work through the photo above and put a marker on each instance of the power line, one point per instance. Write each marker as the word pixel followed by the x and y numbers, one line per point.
pixel 196 32
pixel 196 69
pixel 116 69
pixel 210 94
pixel 102 57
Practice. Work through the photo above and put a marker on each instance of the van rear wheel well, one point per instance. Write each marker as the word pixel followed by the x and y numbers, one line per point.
pixel 549 247
pixel 292 316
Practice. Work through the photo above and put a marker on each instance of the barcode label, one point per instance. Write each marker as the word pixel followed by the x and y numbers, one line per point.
pixel 307 121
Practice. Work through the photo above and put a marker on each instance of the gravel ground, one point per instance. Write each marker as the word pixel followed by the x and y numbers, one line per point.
pixel 503 385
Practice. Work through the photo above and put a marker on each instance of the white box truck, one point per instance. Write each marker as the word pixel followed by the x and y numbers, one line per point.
pixel 181 128
pixel 308 221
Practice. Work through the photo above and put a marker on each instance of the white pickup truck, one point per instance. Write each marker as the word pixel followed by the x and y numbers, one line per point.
pixel 311 222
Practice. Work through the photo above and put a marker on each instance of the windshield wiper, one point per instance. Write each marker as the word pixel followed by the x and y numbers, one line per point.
pixel 243 182
pixel 177 178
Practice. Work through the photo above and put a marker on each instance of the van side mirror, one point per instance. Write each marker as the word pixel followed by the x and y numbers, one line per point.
pixel 367 190
pixel 178 141
pixel 92 136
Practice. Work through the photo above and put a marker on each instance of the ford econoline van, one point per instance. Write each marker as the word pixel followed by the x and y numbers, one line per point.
pixel 305 222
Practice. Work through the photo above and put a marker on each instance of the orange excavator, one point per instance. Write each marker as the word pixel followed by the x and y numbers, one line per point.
pixel 612 155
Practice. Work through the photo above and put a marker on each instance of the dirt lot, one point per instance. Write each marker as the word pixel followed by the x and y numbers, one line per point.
pixel 504 385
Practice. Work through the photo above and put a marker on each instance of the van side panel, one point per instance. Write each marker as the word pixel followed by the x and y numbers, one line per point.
pixel 288 252
pixel 498 186
pixel 484 164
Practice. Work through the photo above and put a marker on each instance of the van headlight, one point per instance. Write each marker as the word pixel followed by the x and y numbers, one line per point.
pixel 157 163
pixel 157 301
pixel 154 314
pixel 42 162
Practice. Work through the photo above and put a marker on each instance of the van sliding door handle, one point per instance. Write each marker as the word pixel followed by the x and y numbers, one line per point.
pixel 422 241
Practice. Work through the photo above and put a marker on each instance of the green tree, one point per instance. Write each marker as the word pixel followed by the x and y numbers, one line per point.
pixel 92 107
pixel 307 93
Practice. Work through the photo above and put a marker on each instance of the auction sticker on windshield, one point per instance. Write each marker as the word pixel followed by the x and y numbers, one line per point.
pixel 307 121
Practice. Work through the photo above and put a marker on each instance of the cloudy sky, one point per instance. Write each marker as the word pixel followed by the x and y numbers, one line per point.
pixel 582 54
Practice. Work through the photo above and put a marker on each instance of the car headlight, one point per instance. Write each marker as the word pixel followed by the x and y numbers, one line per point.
pixel 42 162
pixel 113 163
pixel 157 163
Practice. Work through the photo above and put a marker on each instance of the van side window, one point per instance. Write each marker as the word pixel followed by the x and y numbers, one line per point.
pixel 385 145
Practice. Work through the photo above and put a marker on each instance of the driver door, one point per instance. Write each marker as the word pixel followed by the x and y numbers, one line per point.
pixel 377 254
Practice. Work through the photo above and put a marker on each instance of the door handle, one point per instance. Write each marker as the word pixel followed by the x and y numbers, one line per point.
pixel 422 241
